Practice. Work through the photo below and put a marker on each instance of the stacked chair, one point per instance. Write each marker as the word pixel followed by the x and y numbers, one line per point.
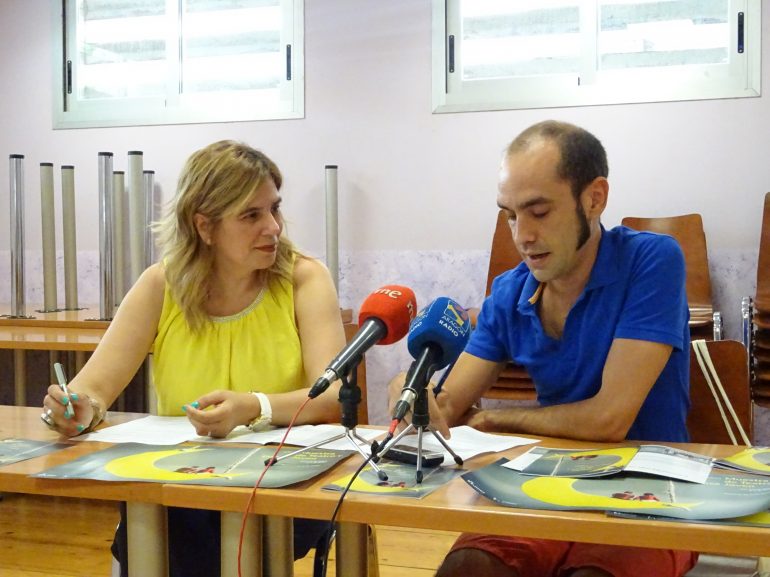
pixel 756 319
pixel 705 323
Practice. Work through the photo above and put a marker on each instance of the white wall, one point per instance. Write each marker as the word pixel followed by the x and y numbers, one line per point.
pixel 417 190
pixel 408 179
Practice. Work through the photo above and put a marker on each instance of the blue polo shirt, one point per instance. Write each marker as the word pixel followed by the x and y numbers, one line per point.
pixel 636 291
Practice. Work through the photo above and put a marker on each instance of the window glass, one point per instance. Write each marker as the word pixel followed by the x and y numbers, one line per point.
pixel 524 38
pixel 130 62
pixel 120 48
pixel 645 34
pixel 507 54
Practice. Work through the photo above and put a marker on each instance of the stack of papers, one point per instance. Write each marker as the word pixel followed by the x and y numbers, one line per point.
pixel 154 430
pixel 467 442
pixel 650 459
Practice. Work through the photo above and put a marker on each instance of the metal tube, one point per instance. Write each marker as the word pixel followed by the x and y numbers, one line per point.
pixel 352 558
pixel 107 301
pixel 147 524
pixel 48 229
pixel 149 205
pixel 17 235
pixel 332 241
pixel 251 558
pixel 136 214
pixel 69 236
pixel 278 544
pixel 118 212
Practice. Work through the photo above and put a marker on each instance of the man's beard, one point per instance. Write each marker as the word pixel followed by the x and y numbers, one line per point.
pixel 585 229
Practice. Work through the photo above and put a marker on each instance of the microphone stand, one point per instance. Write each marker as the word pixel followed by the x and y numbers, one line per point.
pixel 349 398
pixel 420 423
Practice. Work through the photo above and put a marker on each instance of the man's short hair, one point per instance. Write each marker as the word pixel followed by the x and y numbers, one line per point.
pixel 583 157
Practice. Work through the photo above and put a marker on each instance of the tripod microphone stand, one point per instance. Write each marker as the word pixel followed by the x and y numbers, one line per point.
pixel 420 423
pixel 350 398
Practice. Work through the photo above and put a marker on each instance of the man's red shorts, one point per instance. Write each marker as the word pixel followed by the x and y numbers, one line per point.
pixel 545 558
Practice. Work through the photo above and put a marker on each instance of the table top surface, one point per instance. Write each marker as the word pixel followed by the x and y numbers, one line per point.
pixel 63 330
pixel 454 506
pixel 71 330
pixel 85 317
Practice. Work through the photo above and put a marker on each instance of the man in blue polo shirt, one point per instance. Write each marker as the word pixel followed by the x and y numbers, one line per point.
pixel 598 318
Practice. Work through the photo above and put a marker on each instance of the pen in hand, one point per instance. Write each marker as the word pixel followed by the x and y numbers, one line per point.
pixel 69 412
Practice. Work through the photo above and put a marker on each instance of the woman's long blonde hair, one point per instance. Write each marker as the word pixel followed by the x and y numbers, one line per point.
pixel 216 181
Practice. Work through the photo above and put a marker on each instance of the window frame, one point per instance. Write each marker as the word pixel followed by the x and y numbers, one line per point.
pixel 591 87
pixel 175 107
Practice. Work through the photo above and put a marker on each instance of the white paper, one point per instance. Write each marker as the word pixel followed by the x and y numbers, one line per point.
pixel 304 435
pixel 467 442
pixel 149 430
pixel 154 430
pixel 670 462
pixel 522 461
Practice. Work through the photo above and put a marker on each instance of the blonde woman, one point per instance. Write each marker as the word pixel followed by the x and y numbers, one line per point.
pixel 239 323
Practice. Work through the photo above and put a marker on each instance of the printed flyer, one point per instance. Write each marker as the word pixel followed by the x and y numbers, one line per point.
pixel 401 480
pixel 723 495
pixel 196 465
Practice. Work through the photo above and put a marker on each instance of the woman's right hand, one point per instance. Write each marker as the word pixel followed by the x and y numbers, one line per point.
pixel 55 405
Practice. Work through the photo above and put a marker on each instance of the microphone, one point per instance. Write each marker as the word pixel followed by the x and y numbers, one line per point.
pixel 383 319
pixel 437 336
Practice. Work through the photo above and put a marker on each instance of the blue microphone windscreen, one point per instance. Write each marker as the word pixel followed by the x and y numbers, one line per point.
pixel 443 323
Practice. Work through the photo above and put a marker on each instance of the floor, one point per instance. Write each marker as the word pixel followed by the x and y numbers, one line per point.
pixel 76 535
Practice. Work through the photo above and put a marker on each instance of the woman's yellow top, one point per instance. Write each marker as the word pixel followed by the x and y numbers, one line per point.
pixel 257 349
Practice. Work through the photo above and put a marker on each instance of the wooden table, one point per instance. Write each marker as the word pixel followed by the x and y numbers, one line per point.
pixel 55 331
pixel 454 507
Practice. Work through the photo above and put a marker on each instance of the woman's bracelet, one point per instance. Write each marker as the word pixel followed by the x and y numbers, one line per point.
pixel 265 417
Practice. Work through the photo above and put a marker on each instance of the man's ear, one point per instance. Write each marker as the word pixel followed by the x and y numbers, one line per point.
pixel 203 226
pixel 594 197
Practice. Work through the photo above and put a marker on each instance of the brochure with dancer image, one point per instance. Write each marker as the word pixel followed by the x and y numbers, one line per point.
pixel 761 519
pixel 650 459
pixel 724 495
pixel 15 450
pixel 197 465
pixel 401 480
pixel 752 460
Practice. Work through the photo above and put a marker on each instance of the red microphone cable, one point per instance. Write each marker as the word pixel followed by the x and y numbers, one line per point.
pixel 259 480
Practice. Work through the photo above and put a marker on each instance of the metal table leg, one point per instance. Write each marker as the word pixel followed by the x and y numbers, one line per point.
pixel 251 555
pixel 147 540
pixel 351 549
pixel 278 546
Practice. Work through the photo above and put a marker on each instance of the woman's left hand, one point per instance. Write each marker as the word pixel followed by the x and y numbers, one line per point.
pixel 219 412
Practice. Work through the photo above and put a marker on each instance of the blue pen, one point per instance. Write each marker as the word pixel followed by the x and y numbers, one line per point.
pixel 69 412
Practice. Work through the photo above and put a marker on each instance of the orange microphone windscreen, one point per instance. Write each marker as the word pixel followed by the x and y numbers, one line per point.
pixel 395 306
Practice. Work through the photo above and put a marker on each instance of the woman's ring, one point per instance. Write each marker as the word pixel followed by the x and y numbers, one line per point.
pixel 45 416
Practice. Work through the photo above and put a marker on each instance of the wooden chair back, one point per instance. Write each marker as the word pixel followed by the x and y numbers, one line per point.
pixel 688 231
pixel 704 421
pixel 514 383
pixel 504 255
pixel 763 264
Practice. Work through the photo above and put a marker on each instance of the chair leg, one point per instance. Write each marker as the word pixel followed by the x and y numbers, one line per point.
pixel 718 327
pixel 373 564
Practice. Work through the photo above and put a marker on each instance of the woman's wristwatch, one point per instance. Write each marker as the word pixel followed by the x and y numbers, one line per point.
pixel 99 413
pixel 265 417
